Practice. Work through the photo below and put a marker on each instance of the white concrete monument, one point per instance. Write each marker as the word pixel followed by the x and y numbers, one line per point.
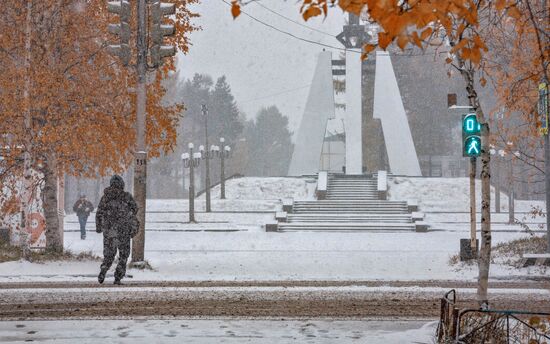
pixel 388 107
pixel 319 108
pixel 353 116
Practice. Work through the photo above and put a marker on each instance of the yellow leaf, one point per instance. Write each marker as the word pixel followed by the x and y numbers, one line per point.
pixel 500 4
pixel 448 60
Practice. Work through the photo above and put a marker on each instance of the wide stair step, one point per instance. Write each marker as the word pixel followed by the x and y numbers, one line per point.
pixel 324 226
pixel 351 217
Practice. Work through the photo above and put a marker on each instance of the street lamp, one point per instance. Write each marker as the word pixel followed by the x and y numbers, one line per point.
pixel 499 156
pixel 191 160
pixel 207 158
pixel 222 154
pixel 206 155
pixel 511 197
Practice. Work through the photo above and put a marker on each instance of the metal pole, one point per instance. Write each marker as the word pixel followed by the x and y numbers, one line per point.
pixel 511 215
pixel 222 174
pixel 191 186
pixel 497 184
pixel 473 235
pixel 207 158
pixel 547 183
pixel 140 175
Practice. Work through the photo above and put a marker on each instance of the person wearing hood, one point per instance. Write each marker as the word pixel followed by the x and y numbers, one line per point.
pixel 83 208
pixel 116 218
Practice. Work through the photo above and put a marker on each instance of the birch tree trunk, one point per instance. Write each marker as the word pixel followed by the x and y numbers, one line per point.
pixel 484 259
pixel 54 237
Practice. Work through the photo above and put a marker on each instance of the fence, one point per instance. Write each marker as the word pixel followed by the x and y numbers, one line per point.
pixel 474 326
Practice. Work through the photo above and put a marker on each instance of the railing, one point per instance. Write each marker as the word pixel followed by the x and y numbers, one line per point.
pixel 473 326
pixel 502 326
pixel 447 324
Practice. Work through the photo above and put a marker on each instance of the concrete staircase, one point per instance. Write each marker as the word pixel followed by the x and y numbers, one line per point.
pixel 350 203
pixel 352 188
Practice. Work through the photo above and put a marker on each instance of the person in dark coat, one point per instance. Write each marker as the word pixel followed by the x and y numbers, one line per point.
pixel 83 208
pixel 116 218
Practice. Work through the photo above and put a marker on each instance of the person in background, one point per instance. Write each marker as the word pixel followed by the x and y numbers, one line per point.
pixel 83 208
pixel 116 218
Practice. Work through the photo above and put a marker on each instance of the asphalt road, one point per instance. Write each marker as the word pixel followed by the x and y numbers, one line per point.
pixel 359 299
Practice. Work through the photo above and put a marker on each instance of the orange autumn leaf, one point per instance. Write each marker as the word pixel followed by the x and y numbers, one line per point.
pixel 402 41
pixel 426 33
pixel 383 40
pixel 483 82
pixel 235 9
pixel 312 11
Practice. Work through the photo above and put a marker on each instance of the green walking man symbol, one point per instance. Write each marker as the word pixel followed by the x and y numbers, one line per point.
pixel 473 146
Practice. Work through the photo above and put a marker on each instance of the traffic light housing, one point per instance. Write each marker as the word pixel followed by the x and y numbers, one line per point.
pixel 158 31
pixel 471 139
pixel 122 30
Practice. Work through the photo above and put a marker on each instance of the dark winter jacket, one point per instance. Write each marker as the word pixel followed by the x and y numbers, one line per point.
pixel 116 212
pixel 83 208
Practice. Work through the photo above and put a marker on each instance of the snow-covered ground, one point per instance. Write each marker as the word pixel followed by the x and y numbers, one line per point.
pixel 231 243
pixel 446 194
pixel 277 256
pixel 203 331
pixel 267 188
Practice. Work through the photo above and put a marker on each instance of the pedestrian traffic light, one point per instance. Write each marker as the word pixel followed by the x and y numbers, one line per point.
pixel 472 146
pixel 121 29
pixel 158 50
pixel 471 139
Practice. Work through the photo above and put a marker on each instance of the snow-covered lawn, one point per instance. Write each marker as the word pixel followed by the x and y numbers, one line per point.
pixel 203 331
pixel 267 188
pixel 446 194
pixel 277 256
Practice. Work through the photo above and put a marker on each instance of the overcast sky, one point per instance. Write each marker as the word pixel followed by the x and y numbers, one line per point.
pixel 263 66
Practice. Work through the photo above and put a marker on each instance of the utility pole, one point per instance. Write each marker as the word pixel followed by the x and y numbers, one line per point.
pixel 140 166
pixel 157 51
pixel 206 157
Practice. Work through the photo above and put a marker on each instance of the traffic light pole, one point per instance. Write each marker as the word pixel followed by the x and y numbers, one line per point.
pixel 547 184
pixel 473 235
pixel 140 173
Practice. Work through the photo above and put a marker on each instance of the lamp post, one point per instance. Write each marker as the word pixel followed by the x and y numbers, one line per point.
pixel 511 196
pixel 191 160
pixel 222 154
pixel 207 157
pixel 499 156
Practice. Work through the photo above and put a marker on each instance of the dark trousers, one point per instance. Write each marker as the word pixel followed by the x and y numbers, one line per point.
pixel 82 220
pixel 110 247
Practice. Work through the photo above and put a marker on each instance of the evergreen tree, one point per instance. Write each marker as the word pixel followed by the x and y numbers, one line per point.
pixel 224 114
pixel 269 143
